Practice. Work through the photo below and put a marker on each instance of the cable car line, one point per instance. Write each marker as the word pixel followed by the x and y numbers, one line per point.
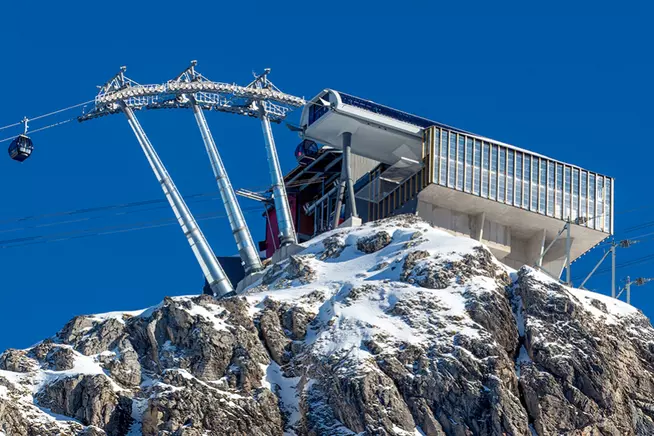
pixel 38 117
pixel 41 128
pixel 103 208
pixel 633 262
pixel 86 219
pixel 106 230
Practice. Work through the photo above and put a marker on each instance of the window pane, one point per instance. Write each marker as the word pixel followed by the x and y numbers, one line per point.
pixel 451 161
pixel 550 188
pixel 558 211
pixel 443 161
pixel 509 177
pixel 527 180
pixel 584 197
pixel 542 183
pixel 566 193
pixel 607 206
pixel 484 166
pixel 493 173
pixel 460 149
pixel 437 141
pixel 518 179
pixel 468 171
pixel 477 182
pixel 599 213
pixel 575 194
pixel 591 200
pixel 534 184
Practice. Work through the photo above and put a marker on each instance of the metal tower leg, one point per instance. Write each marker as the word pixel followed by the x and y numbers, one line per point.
pixel 613 269
pixel 212 270
pixel 347 166
pixel 246 249
pixel 340 192
pixel 568 242
pixel 282 208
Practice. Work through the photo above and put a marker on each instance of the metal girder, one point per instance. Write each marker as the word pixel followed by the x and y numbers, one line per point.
pixel 209 95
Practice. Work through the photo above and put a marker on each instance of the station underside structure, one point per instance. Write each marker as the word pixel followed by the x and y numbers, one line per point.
pixel 515 201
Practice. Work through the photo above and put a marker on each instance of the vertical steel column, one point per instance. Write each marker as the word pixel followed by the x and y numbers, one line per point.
pixel 246 249
pixel 282 208
pixel 347 165
pixel 568 242
pixel 340 192
pixel 613 269
pixel 212 270
pixel 628 286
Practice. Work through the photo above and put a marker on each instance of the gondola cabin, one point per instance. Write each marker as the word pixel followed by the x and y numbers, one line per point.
pixel 306 152
pixel 21 148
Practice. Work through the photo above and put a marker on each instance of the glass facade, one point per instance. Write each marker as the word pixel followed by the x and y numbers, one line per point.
pixel 519 178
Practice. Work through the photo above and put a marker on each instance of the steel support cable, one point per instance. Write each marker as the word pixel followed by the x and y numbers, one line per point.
pixel 633 262
pixel 38 117
pixel 104 208
pixel 193 198
pixel 97 217
pixel 107 230
pixel 41 128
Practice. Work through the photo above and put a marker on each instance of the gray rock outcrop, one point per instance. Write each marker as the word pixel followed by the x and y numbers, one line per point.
pixel 394 328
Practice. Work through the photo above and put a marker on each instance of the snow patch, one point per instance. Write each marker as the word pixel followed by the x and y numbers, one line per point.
pixel 286 390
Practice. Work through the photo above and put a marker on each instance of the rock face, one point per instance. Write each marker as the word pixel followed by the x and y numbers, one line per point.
pixel 393 328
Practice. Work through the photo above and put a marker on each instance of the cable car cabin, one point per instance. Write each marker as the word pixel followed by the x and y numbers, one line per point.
pixel 21 148
pixel 306 152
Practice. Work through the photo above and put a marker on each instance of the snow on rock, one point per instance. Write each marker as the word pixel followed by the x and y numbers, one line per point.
pixel 392 328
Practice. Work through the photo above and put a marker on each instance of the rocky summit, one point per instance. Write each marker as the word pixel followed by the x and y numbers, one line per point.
pixel 392 328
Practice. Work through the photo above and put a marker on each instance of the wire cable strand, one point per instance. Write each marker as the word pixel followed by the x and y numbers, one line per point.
pixel 107 230
pixel 55 112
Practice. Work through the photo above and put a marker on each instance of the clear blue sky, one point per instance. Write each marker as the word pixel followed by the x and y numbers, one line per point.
pixel 571 80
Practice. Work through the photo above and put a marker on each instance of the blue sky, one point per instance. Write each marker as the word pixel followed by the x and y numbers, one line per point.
pixel 570 80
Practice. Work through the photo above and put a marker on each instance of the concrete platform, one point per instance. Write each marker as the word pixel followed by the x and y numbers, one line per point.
pixel 353 221
pixel 285 252
pixel 248 280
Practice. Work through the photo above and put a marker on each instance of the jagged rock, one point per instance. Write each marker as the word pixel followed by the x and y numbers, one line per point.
pixel 300 269
pixel 271 331
pixel 407 340
pixel 584 374
pixel 125 367
pixel 17 361
pixel 91 400
pixel 92 337
pixel 201 408
pixel 333 247
pixel 373 243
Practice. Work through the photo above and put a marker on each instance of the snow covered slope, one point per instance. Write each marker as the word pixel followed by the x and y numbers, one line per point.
pixel 393 328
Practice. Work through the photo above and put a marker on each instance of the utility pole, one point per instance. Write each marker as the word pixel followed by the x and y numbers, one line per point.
pixel 640 281
pixel 625 243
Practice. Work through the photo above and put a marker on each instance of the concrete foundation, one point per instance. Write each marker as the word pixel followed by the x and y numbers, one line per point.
pixel 249 280
pixel 353 221
pixel 285 252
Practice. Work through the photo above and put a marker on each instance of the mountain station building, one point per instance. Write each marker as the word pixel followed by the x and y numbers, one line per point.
pixel 513 200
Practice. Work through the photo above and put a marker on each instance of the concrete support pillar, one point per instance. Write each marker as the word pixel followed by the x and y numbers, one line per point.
pixel 535 247
pixel 345 182
pixel 478 226
pixel 347 166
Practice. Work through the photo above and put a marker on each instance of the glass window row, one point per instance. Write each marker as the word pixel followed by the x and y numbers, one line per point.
pixel 522 179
